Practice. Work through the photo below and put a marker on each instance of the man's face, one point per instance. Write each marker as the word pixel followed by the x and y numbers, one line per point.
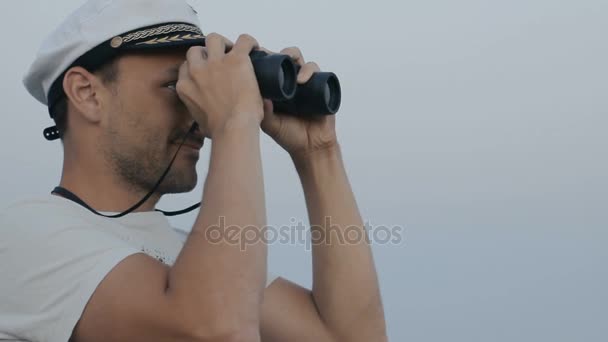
pixel 148 123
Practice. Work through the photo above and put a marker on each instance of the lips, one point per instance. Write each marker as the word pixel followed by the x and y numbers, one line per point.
pixel 194 139
pixel 193 142
pixel 197 145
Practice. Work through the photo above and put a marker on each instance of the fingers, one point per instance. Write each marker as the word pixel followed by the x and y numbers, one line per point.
pixel 308 69
pixel 183 71
pixel 261 48
pixel 183 81
pixel 245 44
pixel 196 56
pixel 295 53
pixel 307 72
pixel 217 45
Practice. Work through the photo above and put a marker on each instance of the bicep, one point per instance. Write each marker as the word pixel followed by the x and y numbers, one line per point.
pixel 129 304
pixel 289 313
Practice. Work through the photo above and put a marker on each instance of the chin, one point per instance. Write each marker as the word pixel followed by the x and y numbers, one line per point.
pixel 178 185
pixel 177 189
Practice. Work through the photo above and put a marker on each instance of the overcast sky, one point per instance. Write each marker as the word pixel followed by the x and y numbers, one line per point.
pixel 479 127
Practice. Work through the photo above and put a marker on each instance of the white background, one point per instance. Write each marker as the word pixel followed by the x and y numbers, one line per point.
pixel 478 126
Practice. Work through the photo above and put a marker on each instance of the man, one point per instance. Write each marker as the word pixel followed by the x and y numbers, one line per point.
pixel 130 87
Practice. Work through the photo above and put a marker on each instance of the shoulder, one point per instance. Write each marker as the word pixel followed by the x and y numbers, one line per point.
pixel 58 255
pixel 39 214
pixel 42 220
pixel 40 207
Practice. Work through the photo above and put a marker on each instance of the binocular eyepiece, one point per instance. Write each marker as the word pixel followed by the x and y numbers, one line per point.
pixel 277 77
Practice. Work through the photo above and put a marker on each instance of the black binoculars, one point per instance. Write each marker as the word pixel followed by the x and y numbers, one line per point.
pixel 277 77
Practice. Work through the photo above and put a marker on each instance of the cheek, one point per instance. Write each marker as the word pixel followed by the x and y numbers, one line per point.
pixel 134 128
pixel 174 115
pixel 156 116
pixel 152 110
pixel 175 107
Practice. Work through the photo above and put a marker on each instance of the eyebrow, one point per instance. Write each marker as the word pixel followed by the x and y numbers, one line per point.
pixel 172 72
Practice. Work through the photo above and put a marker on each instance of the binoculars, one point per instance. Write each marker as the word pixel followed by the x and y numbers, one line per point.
pixel 277 77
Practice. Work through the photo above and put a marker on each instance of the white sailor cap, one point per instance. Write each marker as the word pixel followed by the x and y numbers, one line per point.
pixel 100 30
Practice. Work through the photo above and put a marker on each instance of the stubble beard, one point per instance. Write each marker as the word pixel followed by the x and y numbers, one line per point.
pixel 139 168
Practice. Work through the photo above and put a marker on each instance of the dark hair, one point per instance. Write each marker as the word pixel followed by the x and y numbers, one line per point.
pixel 108 73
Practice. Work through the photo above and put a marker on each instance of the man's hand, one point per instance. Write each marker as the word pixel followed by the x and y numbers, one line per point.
pixel 300 136
pixel 345 303
pixel 218 83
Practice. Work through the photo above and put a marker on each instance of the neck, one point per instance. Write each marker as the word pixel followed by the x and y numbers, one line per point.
pixel 98 186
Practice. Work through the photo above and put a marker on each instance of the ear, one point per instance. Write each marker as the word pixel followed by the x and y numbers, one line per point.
pixel 85 92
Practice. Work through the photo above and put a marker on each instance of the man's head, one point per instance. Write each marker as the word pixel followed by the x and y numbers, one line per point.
pixel 108 76
pixel 129 114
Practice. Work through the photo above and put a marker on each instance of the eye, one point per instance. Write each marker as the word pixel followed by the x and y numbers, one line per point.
pixel 172 85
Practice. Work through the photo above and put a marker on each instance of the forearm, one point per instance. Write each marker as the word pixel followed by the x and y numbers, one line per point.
pixel 223 283
pixel 345 285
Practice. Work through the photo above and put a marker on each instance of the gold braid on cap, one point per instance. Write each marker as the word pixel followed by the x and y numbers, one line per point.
pixel 168 39
pixel 166 29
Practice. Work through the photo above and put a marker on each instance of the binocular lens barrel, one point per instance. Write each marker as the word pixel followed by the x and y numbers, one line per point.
pixel 333 94
pixel 277 78
pixel 276 75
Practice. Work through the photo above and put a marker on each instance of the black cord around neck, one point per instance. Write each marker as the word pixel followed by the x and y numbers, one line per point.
pixel 72 197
